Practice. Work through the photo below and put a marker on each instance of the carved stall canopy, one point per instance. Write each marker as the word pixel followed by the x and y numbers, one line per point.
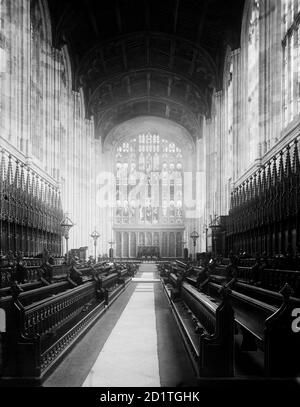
pixel 147 57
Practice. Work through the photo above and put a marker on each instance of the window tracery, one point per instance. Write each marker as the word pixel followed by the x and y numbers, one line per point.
pixel 149 181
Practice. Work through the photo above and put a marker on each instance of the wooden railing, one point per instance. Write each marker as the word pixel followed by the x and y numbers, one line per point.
pixel 264 214
pixel 30 207
pixel 43 323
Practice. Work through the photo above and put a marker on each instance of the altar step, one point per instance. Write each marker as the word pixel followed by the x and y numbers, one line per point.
pixel 145 280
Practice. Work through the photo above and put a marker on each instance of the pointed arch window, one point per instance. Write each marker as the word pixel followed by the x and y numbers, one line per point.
pixel 253 79
pixel 149 173
pixel 290 60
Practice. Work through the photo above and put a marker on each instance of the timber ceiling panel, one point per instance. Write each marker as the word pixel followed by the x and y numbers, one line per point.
pixel 161 57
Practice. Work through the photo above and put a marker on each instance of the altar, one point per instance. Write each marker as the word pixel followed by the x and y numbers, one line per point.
pixel 151 251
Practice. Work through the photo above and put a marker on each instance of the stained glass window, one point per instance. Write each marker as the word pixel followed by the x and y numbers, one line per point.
pixel 149 180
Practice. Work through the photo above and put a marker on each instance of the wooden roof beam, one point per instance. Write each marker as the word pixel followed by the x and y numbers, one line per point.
pixel 124 56
pixel 175 16
pixel 202 21
pixel 128 85
pixel 172 53
pixel 118 16
pixel 170 82
pixel 92 18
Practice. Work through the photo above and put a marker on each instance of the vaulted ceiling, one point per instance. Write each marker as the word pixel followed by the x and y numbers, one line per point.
pixel 147 57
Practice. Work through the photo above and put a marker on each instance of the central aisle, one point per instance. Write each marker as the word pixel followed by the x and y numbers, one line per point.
pixel 135 343
pixel 129 357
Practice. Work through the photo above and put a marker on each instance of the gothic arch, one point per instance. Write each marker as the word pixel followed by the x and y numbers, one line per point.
pixel 250 49
pixel 45 18
pixel 68 66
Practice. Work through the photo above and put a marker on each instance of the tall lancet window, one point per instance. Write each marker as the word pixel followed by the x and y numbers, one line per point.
pixel 291 60
pixel 229 157
pixel 253 81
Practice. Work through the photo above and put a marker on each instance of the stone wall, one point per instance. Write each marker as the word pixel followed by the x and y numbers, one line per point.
pixel 248 126
pixel 41 117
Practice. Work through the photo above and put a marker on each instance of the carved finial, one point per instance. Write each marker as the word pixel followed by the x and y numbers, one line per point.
pixel 251 192
pixel 9 171
pixel 264 179
pixel 2 167
pixel 259 184
pixel 286 291
pixel 17 175
pixel 255 185
pixel 224 292
pixel 288 166
pixel 247 190
pixel 274 171
pixel 269 176
pixel 15 290
pixel 281 168
pixel 22 178
pixel 296 164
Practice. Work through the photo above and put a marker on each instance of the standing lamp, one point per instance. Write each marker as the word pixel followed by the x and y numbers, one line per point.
pixel 66 224
pixel 95 235
pixel 194 236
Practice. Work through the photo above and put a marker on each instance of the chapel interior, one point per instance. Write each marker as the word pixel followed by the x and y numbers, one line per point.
pixel 149 192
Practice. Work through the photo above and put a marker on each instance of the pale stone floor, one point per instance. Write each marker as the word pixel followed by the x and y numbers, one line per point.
pixel 135 344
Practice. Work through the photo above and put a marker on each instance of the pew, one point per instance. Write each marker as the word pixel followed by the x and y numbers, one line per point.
pixel 33 273
pixel 110 287
pixel 267 327
pixel 268 296
pixel 196 276
pixel 40 331
pixel 36 294
pixel 207 328
pixel 25 287
pixel 249 271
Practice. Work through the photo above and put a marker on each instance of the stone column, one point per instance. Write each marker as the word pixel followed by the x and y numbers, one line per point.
pixel 129 244
pixel 122 244
pixel 236 122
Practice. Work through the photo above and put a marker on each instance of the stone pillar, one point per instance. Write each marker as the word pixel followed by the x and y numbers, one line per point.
pixel 219 149
pixel 160 243
pixel 236 120
pixel 129 244
pixel 122 244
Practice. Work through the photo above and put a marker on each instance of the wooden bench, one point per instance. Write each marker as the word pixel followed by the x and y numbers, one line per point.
pixel 8 275
pixel 36 294
pixel 206 327
pixel 39 334
pixel 269 328
pixel 110 286
pixel 261 294
pixel 33 273
pixel 4 292
pixel 124 275
pixel 274 279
